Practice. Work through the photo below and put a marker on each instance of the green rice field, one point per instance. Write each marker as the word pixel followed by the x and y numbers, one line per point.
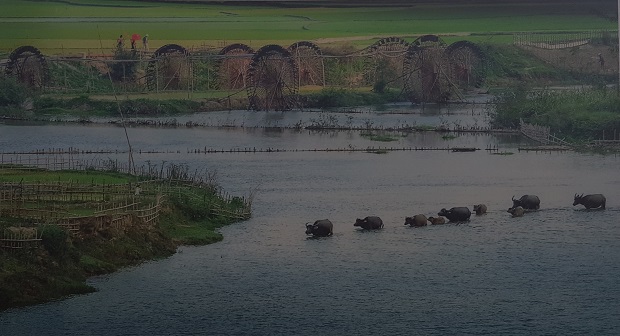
pixel 75 26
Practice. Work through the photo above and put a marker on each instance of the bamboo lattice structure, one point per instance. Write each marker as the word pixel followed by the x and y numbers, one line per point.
pixel 36 204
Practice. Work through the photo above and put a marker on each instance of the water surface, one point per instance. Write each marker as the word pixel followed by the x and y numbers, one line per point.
pixel 552 272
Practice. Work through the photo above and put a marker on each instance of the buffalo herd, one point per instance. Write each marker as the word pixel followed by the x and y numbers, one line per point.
pixel 325 228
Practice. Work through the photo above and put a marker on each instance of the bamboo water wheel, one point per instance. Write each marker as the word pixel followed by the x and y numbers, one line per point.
pixel 466 65
pixel 386 61
pixel 309 60
pixel 169 68
pixel 234 62
pixel 28 66
pixel 425 72
pixel 273 78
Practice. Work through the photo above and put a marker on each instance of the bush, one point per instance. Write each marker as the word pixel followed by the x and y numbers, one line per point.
pixel 54 239
pixel 577 115
pixel 123 71
pixel 12 93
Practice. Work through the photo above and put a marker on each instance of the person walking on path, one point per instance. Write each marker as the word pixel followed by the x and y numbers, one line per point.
pixel 145 42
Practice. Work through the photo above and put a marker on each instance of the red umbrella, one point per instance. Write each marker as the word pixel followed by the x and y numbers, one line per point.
pixel 135 37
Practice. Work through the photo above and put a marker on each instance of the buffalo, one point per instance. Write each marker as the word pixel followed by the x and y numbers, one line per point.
pixel 369 223
pixel 480 209
pixel 591 201
pixel 527 202
pixel 456 214
pixel 437 220
pixel 417 220
pixel 517 211
pixel 320 228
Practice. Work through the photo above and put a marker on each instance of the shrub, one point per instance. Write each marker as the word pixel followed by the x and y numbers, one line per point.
pixel 54 240
pixel 577 115
pixel 124 70
pixel 12 93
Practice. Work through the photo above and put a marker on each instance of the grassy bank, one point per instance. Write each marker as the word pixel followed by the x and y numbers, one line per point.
pixel 85 107
pixel 63 260
pixel 578 115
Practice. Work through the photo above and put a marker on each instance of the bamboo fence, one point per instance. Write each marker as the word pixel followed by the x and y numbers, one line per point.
pixel 561 40
pixel 542 135
pixel 20 238
pixel 117 205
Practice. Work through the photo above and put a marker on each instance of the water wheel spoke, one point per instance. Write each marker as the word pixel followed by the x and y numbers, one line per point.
pixel 309 60
pixel 272 72
pixel 234 65
pixel 169 68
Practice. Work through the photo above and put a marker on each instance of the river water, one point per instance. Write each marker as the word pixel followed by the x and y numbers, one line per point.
pixel 551 272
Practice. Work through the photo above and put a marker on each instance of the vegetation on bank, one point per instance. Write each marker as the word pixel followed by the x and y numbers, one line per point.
pixel 59 267
pixel 85 107
pixel 575 114
pixel 511 74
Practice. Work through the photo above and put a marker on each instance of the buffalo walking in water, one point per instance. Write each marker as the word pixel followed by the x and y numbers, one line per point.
pixel 437 220
pixel 369 223
pixel 480 209
pixel 320 228
pixel 591 201
pixel 516 211
pixel 417 220
pixel 527 202
pixel 456 214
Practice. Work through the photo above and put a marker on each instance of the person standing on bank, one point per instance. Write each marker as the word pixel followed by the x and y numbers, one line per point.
pixel 145 42
pixel 120 42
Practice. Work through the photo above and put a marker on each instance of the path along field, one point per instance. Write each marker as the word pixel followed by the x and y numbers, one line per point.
pixel 93 26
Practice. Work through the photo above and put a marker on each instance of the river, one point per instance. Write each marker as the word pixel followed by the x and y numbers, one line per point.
pixel 551 272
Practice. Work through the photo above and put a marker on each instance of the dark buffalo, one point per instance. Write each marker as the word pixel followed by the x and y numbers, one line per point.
pixel 437 220
pixel 517 211
pixel 528 202
pixel 369 223
pixel 417 220
pixel 456 214
pixel 320 228
pixel 480 209
pixel 591 201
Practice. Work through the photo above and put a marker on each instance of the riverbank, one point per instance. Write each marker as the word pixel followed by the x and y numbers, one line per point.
pixel 577 115
pixel 85 107
pixel 57 228
pixel 509 71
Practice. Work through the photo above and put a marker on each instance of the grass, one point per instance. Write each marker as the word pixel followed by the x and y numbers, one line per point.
pixel 510 62
pixel 76 26
pixel 61 266
pixel 190 232
pixel 380 137
pixel 578 115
